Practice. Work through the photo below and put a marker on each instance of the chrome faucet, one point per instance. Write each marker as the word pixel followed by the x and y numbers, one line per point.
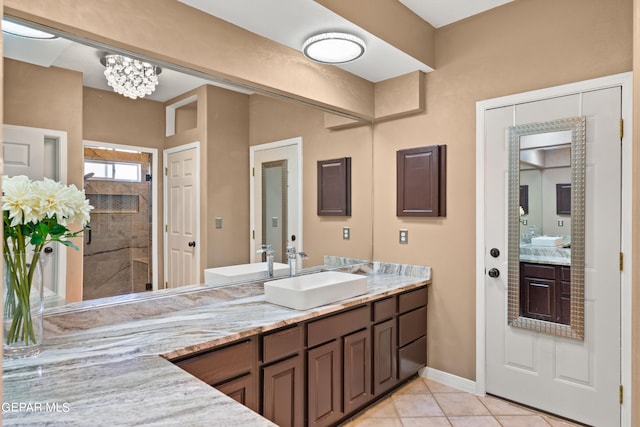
pixel 292 255
pixel 268 250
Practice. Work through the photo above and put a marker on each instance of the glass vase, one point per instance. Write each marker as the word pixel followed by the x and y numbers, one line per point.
pixel 22 288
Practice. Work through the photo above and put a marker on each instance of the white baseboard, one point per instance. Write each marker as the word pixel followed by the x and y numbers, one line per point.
pixel 448 379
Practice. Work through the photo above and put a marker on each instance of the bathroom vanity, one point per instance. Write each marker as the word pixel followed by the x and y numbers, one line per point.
pixel 137 361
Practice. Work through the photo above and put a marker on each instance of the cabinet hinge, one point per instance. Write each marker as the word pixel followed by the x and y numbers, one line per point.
pixel 621 394
pixel 621 261
pixel 621 128
pixel 166 228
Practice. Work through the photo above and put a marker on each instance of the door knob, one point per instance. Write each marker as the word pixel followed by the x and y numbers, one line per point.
pixel 192 244
pixel 494 272
pixel 48 250
pixel 494 252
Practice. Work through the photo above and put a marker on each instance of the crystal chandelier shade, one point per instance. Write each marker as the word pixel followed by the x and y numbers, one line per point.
pixel 130 77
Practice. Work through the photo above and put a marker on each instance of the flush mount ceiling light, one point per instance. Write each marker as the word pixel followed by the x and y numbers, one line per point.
pixel 24 31
pixel 130 77
pixel 333 48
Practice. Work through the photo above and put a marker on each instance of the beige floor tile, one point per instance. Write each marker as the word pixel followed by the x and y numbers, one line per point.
pixel 555 422
pixel 416 405
pixel 487 421
pixel 455 404
pixel 436 387
pixel 416 386
pixel 502 407
pixel 425 422
pixel 522 421
pixel 376 422
pixel 382 409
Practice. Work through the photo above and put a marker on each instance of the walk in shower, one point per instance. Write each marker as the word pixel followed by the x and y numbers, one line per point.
pixel 117 249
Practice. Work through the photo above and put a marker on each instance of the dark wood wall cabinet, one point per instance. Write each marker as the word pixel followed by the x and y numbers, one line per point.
pixel 320 372
pixel 334 187
pixel 421 181
pixel 563 199
pixel 545 292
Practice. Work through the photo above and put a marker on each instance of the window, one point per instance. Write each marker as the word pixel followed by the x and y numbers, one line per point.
pixel 114 171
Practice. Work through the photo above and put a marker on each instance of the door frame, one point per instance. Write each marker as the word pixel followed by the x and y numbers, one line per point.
pixel 625 81
pixel 154 196
pixel 61 137
pixel 165 207
pixel 297 142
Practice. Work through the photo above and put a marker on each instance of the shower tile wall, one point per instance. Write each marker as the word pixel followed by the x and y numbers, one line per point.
pixel 116 261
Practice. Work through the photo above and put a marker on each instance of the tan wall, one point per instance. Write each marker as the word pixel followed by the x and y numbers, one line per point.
pixel 50 98
pixel 110 117
pixel 524 45
pixel 273 120
pixel 228 177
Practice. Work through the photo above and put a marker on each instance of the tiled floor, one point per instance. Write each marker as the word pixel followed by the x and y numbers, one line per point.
pixel 426 403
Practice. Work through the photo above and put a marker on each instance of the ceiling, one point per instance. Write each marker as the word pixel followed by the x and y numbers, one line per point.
pixel 288 22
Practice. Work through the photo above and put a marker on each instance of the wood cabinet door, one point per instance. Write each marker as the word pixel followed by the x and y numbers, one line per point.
pixel 357 370
pixel 283 392
pixel 324 382
pixel 384 356
pixel 242 390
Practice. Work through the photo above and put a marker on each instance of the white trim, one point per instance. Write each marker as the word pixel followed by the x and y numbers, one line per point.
pixel 448 379
pixel 165 154
pixel 154 197
pixel 297 141
pixel 625 81
pixel 170 113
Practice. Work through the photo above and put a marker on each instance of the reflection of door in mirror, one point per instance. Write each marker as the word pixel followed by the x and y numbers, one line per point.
pixel 275 214
pixel 118 248
pixel 39 153
pixel 274 208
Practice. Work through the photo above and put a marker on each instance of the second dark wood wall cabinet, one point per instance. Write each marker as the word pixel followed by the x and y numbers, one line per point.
pixel 334 187
pixel 421 181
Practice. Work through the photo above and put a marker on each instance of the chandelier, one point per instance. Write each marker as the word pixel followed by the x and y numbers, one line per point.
pixel 130 77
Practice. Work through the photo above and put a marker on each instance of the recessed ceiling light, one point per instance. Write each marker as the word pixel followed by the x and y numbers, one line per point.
pixel 333 48
pixel 24 31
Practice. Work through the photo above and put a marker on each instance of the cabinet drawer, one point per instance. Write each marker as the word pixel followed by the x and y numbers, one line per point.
pixel 338 325
pixel 384 309
pixel 539 270
pixel 412 357
pixel 413 299
pixel 565 273
pixel 282 343
pixel 223 364
pixel 412 325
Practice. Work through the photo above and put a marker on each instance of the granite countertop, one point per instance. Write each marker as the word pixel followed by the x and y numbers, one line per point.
pixel 107 363
pixel 554 255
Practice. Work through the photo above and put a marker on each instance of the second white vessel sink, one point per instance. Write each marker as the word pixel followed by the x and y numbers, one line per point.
pixel 546 241
pixel 314 290
pixel 242 272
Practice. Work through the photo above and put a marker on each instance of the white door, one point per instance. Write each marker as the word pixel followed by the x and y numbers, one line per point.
pixel 276 211
pixel 35 153
pixel 579 380
pixel 182 201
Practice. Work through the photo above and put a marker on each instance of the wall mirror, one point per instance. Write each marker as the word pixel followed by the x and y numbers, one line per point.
pixel 269 119
pixel 545 238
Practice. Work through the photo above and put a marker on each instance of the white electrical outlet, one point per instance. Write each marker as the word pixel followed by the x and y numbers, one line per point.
pixel 346 233
pixel 404 237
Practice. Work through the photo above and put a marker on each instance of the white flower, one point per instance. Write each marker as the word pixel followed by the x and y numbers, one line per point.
pixel 19 200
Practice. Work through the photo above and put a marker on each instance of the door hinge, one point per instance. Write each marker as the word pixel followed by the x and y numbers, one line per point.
pixel 621 394
pixel 253 234
pixel 253 171
pixel 166 285
pixel 166 171
pixel 621 128
pixel 166 228
pixel 621 261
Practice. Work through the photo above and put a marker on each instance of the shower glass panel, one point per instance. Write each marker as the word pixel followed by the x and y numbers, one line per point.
pixel 117 250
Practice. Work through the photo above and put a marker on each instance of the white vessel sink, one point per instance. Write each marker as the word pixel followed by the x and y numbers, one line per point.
pixel 546 241
pixel 314 290
pixel 242 272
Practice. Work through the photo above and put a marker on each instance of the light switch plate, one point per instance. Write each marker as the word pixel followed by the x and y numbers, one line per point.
pixel 404 236
pixel 218 222
pixel 346 233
